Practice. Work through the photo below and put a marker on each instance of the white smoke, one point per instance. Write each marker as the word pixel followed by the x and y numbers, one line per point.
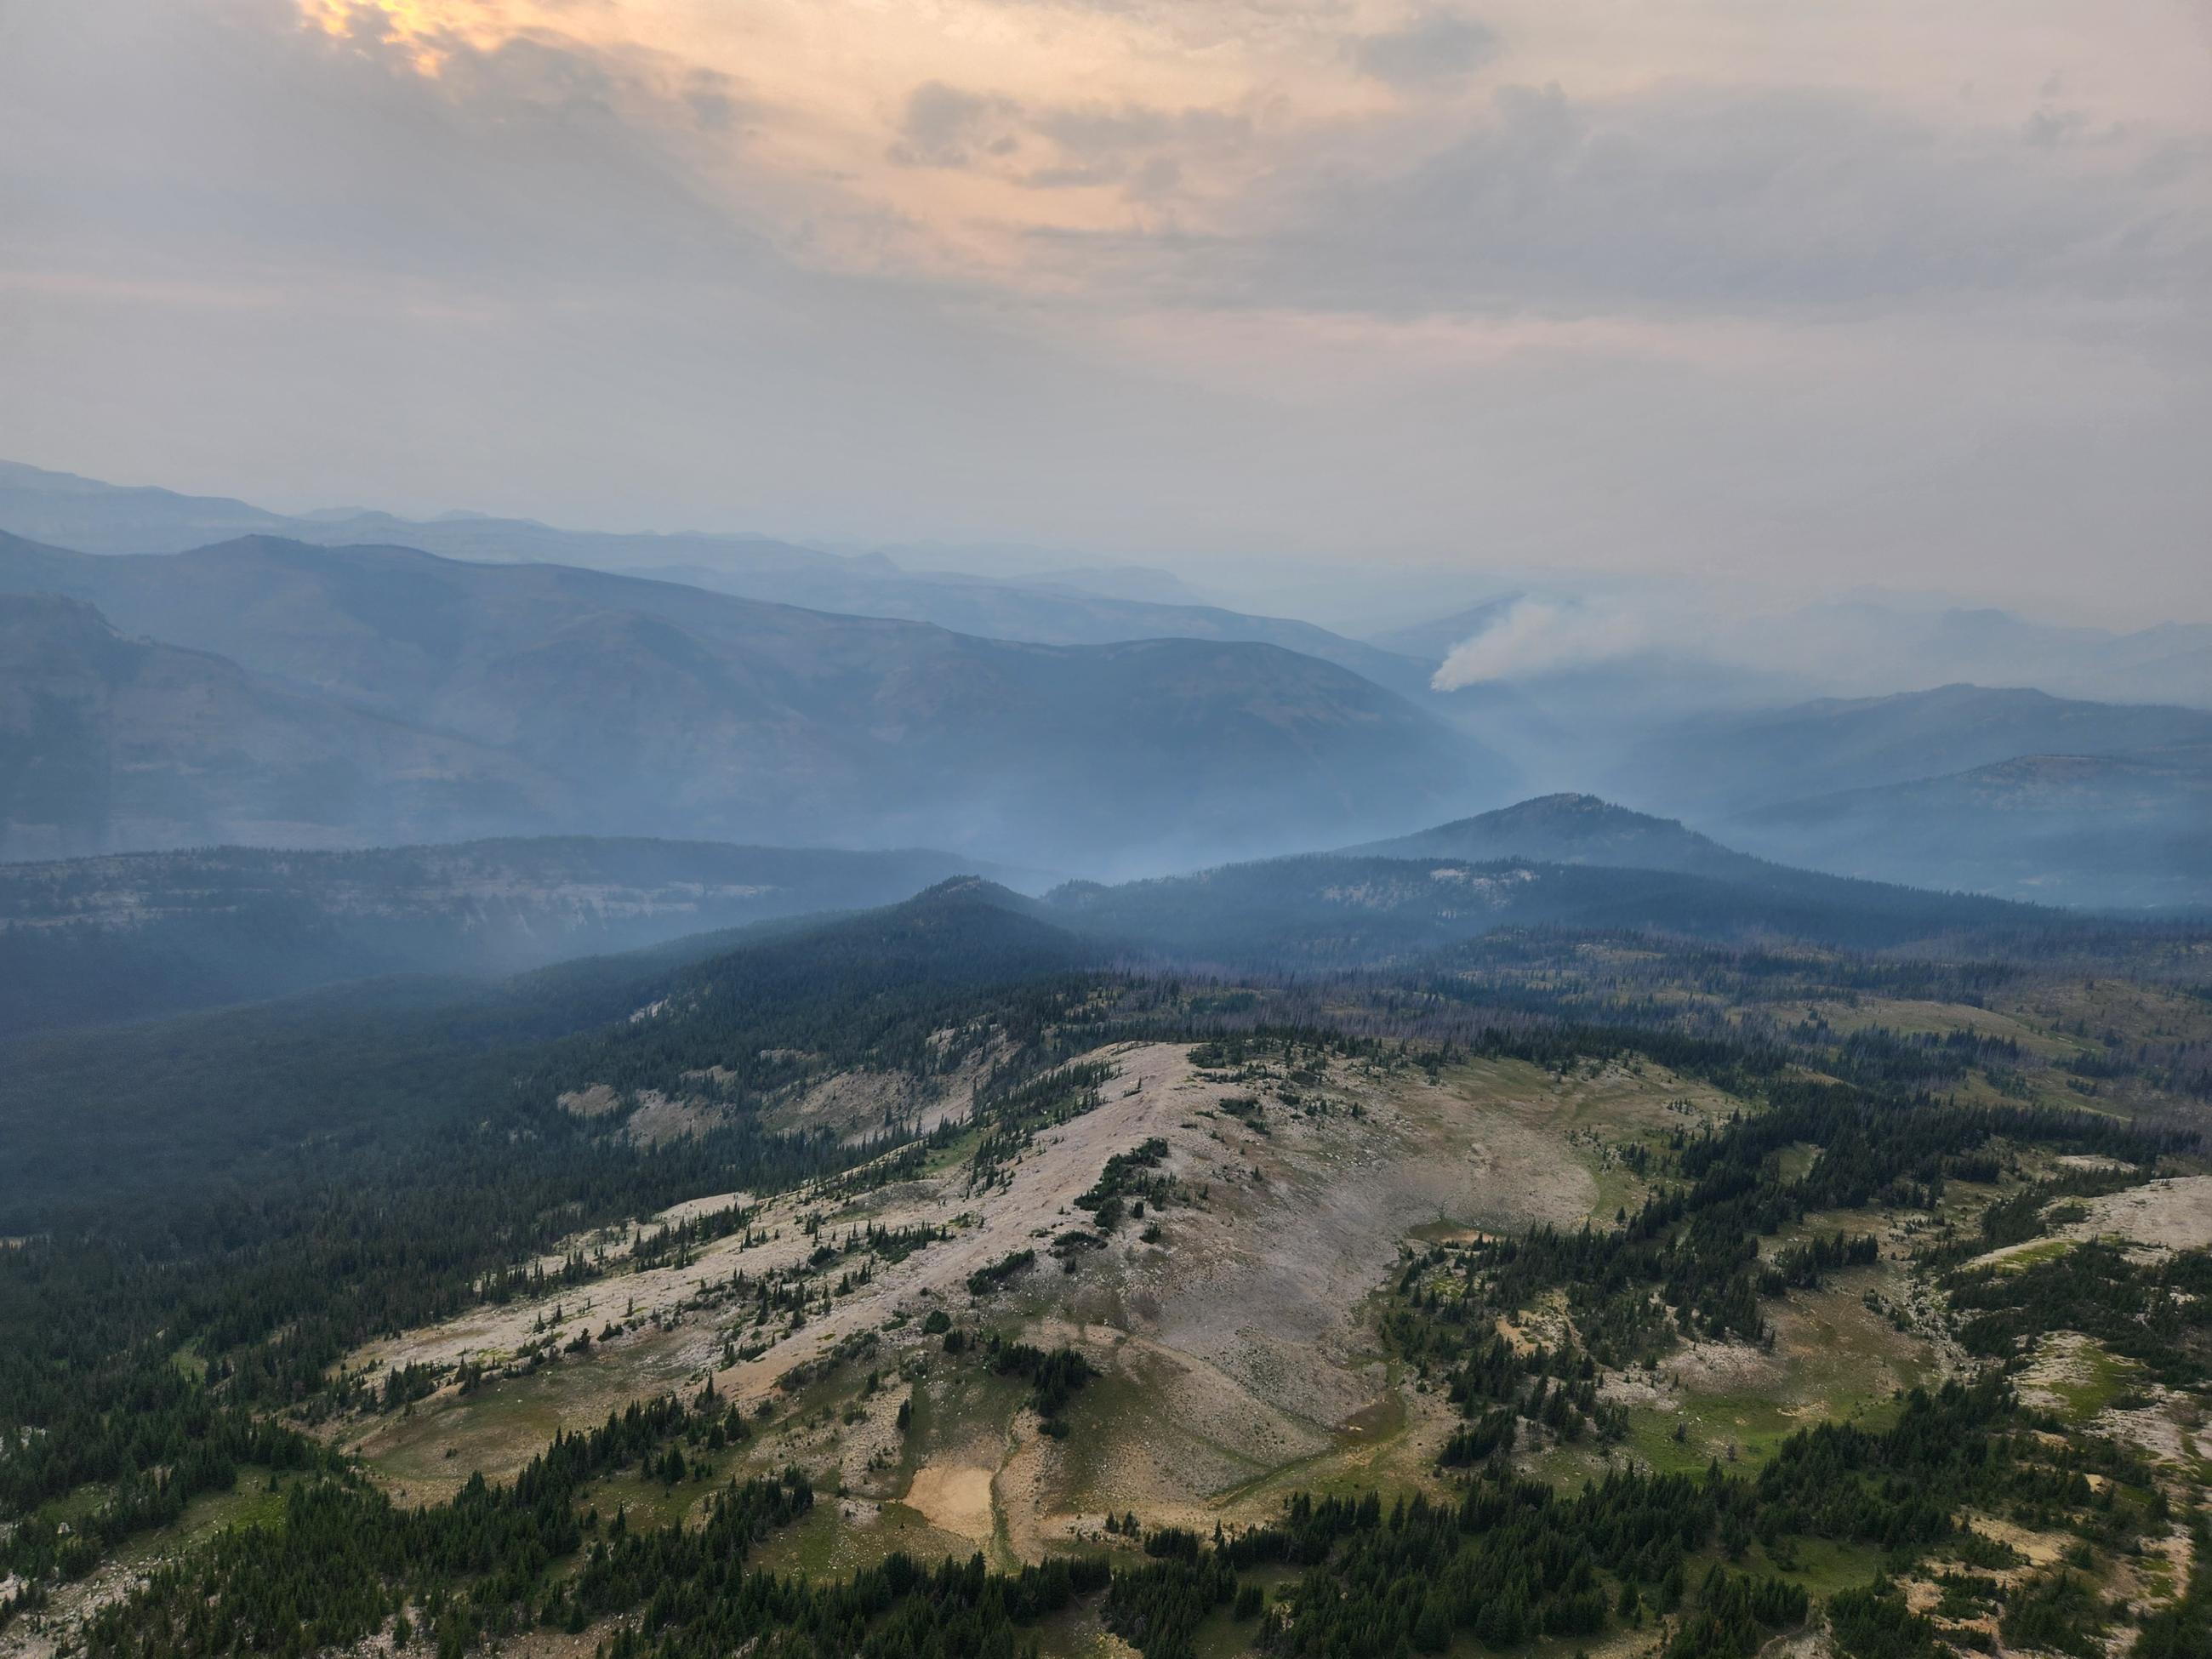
pixel 1536 635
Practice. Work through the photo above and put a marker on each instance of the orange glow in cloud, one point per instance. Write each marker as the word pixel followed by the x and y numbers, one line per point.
pixel 1020 141
pixel 425 30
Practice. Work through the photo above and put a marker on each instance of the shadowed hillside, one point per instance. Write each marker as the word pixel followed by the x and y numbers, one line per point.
pixel 2130 830
pixel 1568 829
pixel 606 704
pixel 99 940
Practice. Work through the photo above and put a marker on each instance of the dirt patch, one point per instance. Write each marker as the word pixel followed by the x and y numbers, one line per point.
pixel 850 1104
pixel 597 1101
pixel 2040 1549
pixel 1726 1368
pixel 658 1119
pixel 954 1497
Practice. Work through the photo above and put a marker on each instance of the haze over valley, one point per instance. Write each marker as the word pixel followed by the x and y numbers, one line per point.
pixel 736 689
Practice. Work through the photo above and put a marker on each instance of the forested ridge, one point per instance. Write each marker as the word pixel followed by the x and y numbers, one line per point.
pixel 157 1359
pixel 1509 1560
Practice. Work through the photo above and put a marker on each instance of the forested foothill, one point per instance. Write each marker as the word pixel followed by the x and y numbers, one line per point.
pixel 1976 1156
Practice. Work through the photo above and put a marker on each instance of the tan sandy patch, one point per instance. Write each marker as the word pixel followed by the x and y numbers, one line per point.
pixel 954 1497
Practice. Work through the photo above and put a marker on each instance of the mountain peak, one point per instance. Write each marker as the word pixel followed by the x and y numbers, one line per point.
pixel 1567 828
pixel 972 890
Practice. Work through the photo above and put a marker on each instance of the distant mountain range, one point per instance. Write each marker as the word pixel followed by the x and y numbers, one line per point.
pixel 374 694
pixel 1097 606
pixel 70 510
pixel 2125 831
pixel 1885 644
pixel 2118 831
pixel 1433 640
pixel 1714 767
pixel 364 678
pixel 1861 647
pixel 107 940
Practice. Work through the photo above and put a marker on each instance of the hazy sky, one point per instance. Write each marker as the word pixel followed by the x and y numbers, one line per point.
pixel 1813 295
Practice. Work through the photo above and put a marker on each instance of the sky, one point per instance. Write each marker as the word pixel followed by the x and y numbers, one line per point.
pixel 1797 298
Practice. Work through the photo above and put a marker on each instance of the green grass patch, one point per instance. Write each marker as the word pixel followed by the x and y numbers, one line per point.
pixel 652 1502
pixel 953 1154
pixel 1824 1566
pixel 248 1503
pixel 812 1548
pixel 961 1404
pixel 72 1507
pixel 2093 1379
pixel 1743 1430
pixel 2029 1256
pixel 1797 1162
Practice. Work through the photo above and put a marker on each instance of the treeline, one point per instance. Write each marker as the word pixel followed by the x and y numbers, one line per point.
pixel 346 1562
pixel 1686 1262
pixel 435 1179
pixel 1508 1561
pixel 904 989
pixel 2158 1313
pixel 163 1444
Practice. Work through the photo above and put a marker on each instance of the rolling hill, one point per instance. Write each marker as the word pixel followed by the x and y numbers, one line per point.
pixel 1568 828
pixel 227 1100
pixel 1356 909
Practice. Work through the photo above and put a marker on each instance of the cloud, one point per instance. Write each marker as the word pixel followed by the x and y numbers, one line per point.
pixel 1773 297
pixel 1062 146
pixel 1432 46
pixel 1700 199
pixel 947 126
pixel 1538 635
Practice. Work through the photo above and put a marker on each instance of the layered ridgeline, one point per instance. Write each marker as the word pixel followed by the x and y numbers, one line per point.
pixel 1750 760
pixel 1774 1294
pixel 107 940
pixel 1075 607
pixel 510 699
pixel 1714 767
pixel 111 741
pixel 2118 832
pixel 2005 792
pixel 2132 830
pixel 104 939
pixel 1561 861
